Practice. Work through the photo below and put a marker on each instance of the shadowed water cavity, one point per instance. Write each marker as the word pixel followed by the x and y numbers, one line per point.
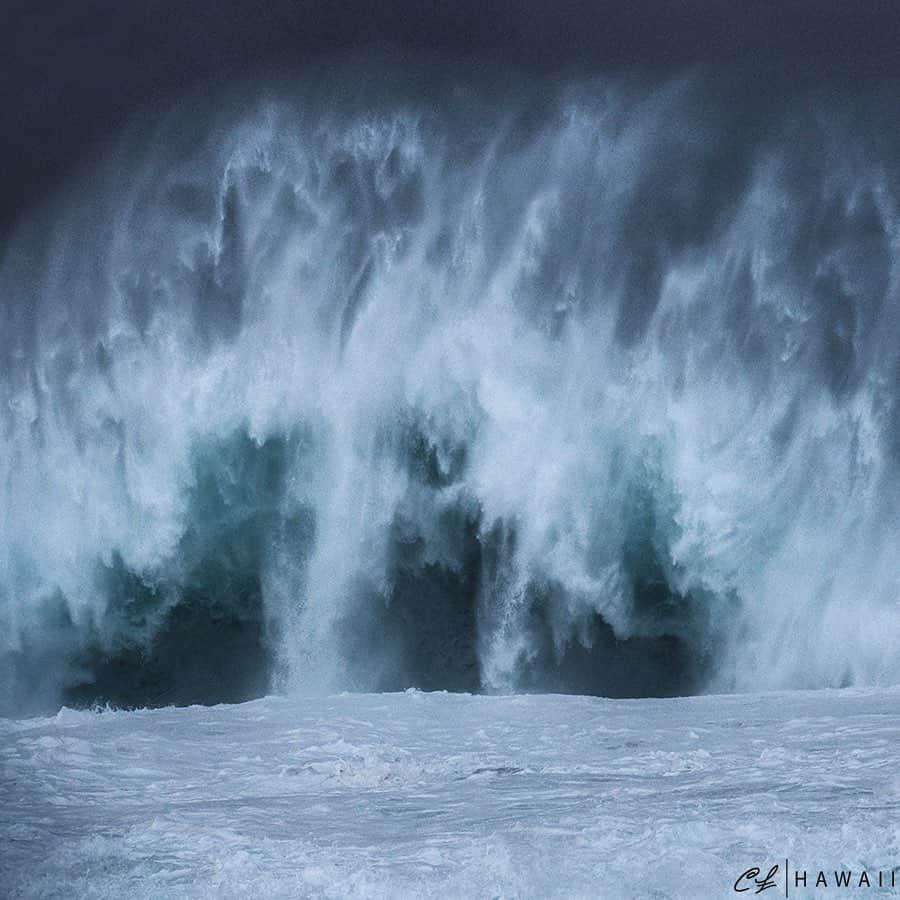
pixel 197 630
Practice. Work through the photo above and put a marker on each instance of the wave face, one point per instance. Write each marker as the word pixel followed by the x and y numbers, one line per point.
pixel 351 386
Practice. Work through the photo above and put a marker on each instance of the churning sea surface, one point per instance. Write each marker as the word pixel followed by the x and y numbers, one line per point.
pixel 452 795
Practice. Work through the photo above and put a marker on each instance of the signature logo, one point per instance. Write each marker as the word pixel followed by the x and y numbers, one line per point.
pixel 754 881
pixel 751 880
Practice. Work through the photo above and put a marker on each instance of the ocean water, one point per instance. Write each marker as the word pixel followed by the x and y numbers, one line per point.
pixel 454 795
pixel 435 475
pixel 574 386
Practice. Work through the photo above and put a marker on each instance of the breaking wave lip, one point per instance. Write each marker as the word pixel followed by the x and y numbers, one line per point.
pixel 518 389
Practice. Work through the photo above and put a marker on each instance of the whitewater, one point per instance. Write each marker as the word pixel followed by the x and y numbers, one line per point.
pixel 457 389
pixel 417 481
pixel 453 795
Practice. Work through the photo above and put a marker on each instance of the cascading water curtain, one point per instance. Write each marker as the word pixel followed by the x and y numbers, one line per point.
pixel 573 389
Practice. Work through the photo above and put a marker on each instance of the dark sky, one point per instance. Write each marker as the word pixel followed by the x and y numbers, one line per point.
pixel 71 73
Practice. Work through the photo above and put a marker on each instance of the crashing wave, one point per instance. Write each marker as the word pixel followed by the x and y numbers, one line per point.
pixel 345 387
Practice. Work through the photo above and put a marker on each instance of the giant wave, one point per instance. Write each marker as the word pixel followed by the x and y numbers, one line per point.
pixel 479 386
